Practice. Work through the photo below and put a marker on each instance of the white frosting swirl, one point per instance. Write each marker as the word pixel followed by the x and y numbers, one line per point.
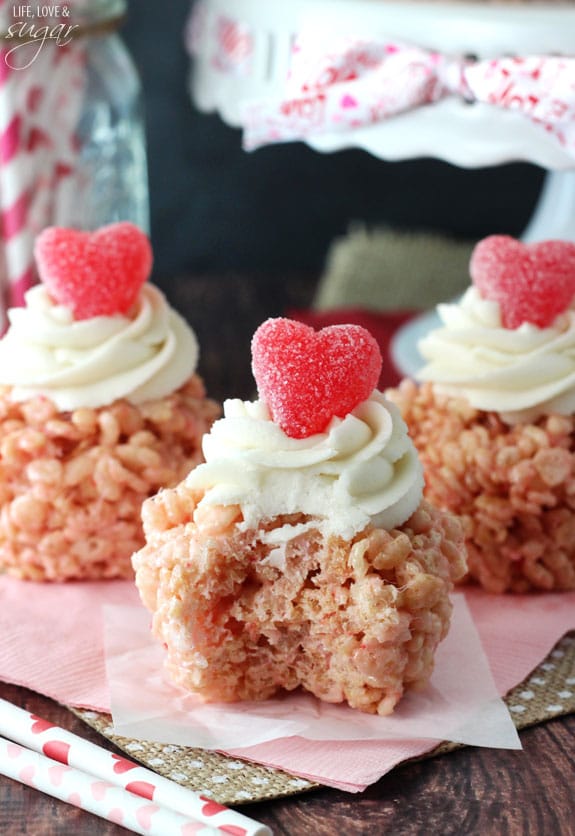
pixel 520 373
pixel 92 362
pixel 363 469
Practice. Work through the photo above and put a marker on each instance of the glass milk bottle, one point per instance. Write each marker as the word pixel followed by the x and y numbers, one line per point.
pixel 112 164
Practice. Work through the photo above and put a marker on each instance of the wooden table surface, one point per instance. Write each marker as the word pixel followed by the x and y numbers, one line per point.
pixel 469 791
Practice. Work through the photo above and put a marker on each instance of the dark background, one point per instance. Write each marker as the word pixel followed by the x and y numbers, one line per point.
pixel 216 208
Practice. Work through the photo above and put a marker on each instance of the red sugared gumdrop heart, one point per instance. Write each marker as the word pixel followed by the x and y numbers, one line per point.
pixel 94 273
pixel 307 377
pixel 531 282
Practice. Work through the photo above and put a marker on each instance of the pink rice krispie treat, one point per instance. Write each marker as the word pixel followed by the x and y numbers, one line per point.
pixel 100 406
pixel 301 553
pixel 493 415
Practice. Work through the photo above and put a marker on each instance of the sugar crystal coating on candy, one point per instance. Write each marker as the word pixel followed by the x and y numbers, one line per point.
pixel 94 273
pixel 531 282
pixel 307 377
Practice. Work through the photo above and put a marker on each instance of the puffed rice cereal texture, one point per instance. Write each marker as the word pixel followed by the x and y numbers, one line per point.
pixel 72 484
pixel 512 486
pixel 355 622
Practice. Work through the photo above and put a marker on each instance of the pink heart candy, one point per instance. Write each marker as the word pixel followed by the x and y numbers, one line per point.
pixel 94 273
pixel 531 282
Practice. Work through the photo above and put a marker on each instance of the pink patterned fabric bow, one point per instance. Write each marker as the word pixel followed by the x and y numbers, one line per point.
pixel 356 83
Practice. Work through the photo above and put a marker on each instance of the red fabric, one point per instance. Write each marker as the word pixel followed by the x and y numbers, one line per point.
pixel 382 325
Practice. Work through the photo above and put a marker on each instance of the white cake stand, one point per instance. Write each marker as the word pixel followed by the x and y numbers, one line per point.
pixel 244 54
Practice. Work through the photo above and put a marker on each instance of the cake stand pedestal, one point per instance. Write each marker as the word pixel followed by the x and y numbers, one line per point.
pixel 554 214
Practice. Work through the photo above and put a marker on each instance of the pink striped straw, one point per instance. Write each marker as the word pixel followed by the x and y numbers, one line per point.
pixel 40 102
pixel 17 264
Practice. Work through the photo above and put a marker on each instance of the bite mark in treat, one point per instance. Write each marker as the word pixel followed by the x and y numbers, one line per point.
pixel 94 273
pixel 531 282
pixel 307 377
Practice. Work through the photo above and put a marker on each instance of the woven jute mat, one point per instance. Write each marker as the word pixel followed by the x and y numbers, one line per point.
pixel 548 692
pixel 227 780
pixel 387 269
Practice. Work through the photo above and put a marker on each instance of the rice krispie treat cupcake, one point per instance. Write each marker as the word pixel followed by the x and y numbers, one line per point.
pixel 100 406
pixel 301 553
pixel 493 416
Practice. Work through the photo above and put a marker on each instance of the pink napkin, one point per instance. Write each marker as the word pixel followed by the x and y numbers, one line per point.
pixel 51 641
pixel 517 632
pixel 51 638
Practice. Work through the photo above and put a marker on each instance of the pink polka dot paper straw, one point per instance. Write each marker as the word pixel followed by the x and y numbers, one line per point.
pixel 98 797
pixel 69 750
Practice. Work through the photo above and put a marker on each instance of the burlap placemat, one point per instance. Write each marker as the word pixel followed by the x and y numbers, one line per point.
pixel 548 692
pixel 386 269
pixel 227 780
